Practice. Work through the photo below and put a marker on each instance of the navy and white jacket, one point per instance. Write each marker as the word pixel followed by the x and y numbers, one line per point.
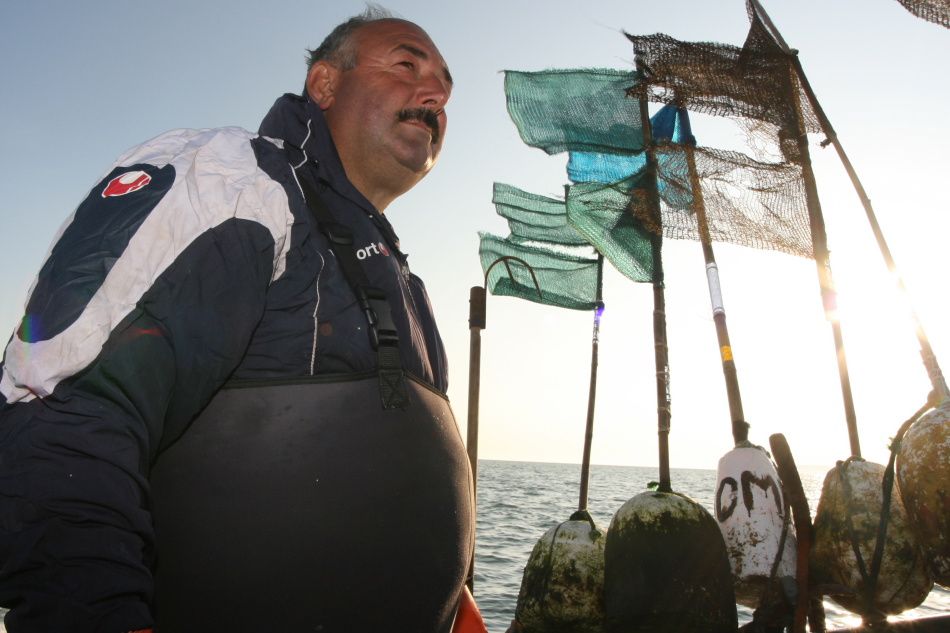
pixel 194 261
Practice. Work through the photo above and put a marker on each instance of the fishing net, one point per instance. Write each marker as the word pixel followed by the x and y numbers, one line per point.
pixel 756 85
pixel 566 280
pixel 582 110
pixel 534 218
pixel 600 213
pixel 610 168
pixel 618 203
pixel 748 203
pixel 936 11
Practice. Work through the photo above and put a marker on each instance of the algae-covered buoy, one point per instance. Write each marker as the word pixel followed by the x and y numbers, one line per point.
pixel 752 517
pixel 923 478
pixel 848 520
pixel 666 569
pixel 562 589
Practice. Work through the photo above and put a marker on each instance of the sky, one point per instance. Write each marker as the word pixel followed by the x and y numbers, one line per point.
pixel 82 82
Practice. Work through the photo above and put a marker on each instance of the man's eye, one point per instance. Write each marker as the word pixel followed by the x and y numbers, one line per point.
pixel 407 64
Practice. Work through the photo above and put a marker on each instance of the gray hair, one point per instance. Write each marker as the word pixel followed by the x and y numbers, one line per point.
pixel 337 48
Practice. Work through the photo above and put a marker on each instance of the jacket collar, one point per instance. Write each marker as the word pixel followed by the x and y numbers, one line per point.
pixel 300 124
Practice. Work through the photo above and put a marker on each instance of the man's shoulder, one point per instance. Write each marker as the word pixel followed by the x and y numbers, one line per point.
pixel 224 145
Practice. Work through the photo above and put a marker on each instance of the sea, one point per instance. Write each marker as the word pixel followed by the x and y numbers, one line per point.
pixel 519 501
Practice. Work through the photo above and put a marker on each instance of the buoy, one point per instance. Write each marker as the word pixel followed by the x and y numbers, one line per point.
pixel 666 569
pixel 468 618
pixel 923 477
pixel 563 584
pixel 752 517
pixel 847 521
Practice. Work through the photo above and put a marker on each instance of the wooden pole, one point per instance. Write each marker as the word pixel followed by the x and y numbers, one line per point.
pixel 740 428
pixel 661 350
pixel 937 379
pixel 592 393
pixel 807 607
pixel 823 262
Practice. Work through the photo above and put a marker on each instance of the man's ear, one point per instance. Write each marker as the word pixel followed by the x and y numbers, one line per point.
pixel 322 82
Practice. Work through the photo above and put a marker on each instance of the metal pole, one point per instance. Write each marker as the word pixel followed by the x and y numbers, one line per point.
pixel 476 323
pixel 661 351
pixel 592 394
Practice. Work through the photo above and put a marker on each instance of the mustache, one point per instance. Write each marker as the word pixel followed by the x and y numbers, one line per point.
pixel 429 117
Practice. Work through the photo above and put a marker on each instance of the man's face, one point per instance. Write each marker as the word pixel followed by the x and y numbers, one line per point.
pixel 386 115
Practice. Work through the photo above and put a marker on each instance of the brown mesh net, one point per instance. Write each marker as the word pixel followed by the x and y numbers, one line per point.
pixel 936 11
pixel 749 203
pixel 755 84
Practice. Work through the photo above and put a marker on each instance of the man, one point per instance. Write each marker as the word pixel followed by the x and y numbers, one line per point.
pixel 224 409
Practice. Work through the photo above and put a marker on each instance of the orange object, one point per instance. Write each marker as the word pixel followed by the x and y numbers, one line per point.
pixel 469 618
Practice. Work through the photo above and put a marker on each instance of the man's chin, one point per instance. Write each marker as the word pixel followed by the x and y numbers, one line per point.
pixel 419 163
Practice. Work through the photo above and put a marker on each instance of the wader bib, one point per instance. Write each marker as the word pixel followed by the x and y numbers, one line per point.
pixel 304 506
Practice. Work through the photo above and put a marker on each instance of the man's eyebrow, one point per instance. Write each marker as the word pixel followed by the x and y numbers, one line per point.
pixel 421 54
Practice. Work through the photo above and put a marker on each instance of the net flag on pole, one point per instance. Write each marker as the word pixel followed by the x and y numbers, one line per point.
pixel 753 85
pixel 564 266
pixel 534 218
pixel 594 115
pixel 752 202
pixel 575 110
pixel 566 280
pixel 599 203
pixel 588 114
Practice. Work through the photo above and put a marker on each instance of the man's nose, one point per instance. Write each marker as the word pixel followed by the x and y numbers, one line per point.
pixel 433 92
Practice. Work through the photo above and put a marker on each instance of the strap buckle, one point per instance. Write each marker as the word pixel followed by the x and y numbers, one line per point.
pixel 382 328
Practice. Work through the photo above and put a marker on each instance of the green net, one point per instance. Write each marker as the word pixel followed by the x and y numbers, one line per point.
pixel 566 280
pixel 579 110
pixel 534 218
pixel 600 212
pixel 612 205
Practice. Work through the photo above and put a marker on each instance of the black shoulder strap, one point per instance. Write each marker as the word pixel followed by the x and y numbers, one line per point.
pixel 372 301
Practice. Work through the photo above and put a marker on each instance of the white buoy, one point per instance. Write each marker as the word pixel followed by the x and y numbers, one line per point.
pixel 750 510
pixel 923 477
pixel 851 501
pixel 563 584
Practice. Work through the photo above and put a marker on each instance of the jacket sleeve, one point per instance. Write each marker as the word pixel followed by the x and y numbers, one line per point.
pixel 144 307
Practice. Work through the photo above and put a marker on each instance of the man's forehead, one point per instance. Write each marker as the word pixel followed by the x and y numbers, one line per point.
pixel 393 35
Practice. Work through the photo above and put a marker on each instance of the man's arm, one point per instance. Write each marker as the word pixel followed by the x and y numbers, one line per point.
pixel 143 309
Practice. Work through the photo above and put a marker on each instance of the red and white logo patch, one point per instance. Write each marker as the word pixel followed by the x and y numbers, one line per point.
pixel 126 183
pixel 372 249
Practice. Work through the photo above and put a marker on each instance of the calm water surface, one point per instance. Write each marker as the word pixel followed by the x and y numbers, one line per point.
pixel 520 501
